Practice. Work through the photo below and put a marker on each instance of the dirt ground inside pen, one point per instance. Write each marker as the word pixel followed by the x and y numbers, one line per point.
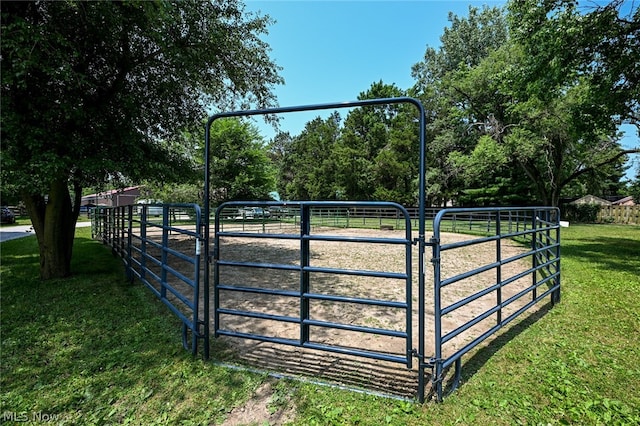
pixel 335 368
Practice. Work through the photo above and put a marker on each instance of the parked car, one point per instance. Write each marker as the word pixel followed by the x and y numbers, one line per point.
pixel 282 212
pixel 242 214
pixel 154 207
pixel 260 212
pixel 252 213
pixel 7 215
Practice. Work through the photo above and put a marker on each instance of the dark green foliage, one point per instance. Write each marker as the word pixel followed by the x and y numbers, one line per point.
pixel 634 188
pixel 240 168
pixel 310 159
pixel 104 91
pixel 546 108
pixel 372 155
pixel 582 213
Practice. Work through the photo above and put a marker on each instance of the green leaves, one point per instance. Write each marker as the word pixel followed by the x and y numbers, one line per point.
pixel 240 168
pixel 103 91
pixel 101 83
pixel 549 90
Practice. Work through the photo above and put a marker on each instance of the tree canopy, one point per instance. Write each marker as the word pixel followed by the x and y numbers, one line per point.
pixel 240 168
pixel 97 91
pixel 523 103
pixel 534 99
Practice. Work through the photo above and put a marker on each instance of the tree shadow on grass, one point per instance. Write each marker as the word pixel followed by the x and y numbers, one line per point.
pixel 86 253
pixel 93 345
pixel 610 252
pixel 21 251
pixel 88 256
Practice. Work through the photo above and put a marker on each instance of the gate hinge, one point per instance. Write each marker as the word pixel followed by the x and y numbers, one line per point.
pixel 426 362
pixel 416 354
pixel 433 362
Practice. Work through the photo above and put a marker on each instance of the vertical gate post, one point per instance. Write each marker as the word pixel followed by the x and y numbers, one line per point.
pixel 128 270
pixel 534 247
pixel 305 230
pixel 143 243
pixel 555 296
pixel 436 378
pixel 165 245
pixel 196 291
pixel 216 275
pixel 499 267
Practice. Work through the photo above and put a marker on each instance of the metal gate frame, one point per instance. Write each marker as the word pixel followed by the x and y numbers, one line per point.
pixel 126 230
pixel 304 293
pixel 316 107
pixel 549 218
pixel 537 226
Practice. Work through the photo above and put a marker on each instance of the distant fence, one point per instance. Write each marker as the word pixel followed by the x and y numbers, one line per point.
pixel 619 214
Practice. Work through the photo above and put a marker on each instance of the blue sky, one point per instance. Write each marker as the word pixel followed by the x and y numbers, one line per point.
pixel 331 51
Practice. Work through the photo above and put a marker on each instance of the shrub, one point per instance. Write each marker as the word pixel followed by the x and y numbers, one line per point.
pixel 584 213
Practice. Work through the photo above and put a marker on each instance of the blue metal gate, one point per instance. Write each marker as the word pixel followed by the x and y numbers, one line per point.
pixel 303 281
pixel 151 239
pixel 523 271
pixel 536 227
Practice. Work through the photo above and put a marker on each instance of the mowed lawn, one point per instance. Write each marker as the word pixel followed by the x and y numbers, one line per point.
pixel 95 349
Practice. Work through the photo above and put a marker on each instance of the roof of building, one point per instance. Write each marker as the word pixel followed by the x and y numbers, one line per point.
pixel 591 199
pixel 105 194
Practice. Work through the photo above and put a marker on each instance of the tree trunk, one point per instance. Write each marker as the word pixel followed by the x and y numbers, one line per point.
pixel 54 223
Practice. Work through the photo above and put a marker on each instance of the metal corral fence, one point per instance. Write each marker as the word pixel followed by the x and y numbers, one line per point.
pixel 519 267
pixel 150 239
pixel 495 291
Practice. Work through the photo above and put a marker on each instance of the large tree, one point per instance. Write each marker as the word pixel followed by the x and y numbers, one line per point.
pixel 578 79
pixel 634 187
pixel 598 42
pixel 93 91
pixel 240 167
pixel 528 103
pixel 377 155
pixel 310 158
pixel 464 45
pixel 372 155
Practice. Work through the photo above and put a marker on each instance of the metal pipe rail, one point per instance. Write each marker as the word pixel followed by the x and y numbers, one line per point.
pixel 142 242
pixel 538 225
pixel 305 211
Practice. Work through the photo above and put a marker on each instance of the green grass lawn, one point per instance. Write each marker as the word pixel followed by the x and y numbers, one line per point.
pixel 94 349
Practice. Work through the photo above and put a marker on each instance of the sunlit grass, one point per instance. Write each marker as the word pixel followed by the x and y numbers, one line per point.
pixel 95 349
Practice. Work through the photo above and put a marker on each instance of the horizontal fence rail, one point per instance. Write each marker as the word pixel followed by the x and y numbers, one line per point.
pixel 495 292
pixel 160 245
pixel 292 275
